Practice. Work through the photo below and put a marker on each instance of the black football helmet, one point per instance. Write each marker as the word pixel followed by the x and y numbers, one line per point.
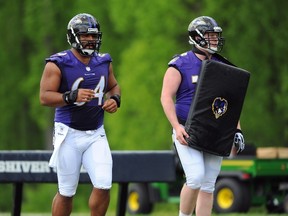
pixel 84 24
pixel 199 27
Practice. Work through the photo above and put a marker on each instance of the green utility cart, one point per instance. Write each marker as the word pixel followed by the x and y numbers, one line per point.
pixel 244 181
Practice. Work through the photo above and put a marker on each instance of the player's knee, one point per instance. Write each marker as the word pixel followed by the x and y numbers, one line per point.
pixel 102 183
pixel 67 191
pixel 208 186
pixel 99 196
pixel 194 181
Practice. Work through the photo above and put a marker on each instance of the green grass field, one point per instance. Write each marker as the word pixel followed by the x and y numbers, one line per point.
pixel 154 214
pixel 160 209
pixel 163 209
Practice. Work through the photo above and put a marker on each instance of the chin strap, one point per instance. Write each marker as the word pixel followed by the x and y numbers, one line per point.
pixel 200 52
pixel 87 52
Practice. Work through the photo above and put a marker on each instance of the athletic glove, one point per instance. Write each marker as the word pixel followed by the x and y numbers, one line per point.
pixel 239 141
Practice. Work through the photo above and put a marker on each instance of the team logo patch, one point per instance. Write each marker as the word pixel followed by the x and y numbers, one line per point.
pixel 219 107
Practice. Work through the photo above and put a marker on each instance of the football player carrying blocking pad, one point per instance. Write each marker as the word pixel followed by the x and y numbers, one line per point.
pixel 201 168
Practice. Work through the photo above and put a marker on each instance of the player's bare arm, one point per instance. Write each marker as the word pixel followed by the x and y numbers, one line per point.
pixel 113 95
pixel 171 82
pixel 49 84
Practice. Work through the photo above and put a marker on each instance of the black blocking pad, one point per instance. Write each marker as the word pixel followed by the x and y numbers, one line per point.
pixel 216 108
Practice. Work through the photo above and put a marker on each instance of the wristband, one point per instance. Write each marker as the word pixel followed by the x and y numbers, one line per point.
pixel 239 131
pixel 70 96
pixel 117 98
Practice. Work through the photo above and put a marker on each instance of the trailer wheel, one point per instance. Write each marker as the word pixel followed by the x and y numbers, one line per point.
pixel 231 195
pixel 138 199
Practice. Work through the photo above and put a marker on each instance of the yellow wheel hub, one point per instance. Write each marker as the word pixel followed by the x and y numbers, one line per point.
pixel 133 201
pixel 225 198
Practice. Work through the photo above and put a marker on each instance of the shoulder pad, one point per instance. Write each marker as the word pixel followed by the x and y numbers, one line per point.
pixel 177 57
pixel 103 57
pixel 58 57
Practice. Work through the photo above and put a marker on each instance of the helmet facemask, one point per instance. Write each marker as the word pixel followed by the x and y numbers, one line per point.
pixel 212 42
pixel 84 24
pixel 87 47
pixel 90 46
pixel 205 34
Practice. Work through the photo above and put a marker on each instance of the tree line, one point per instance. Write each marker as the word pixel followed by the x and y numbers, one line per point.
pixel 142 37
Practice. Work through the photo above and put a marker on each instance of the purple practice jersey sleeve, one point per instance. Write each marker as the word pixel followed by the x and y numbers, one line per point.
pixel 189 67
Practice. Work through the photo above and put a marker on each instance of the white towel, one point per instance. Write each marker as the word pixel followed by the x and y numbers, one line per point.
pixel 60 132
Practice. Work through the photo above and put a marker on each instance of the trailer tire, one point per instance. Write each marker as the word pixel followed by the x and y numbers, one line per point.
pixel 231 195
pixel 138 199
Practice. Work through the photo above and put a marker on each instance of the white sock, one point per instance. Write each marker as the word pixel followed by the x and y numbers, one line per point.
pixel 181 214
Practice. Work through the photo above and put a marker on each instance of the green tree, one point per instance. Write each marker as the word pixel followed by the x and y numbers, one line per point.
pixel 152 41
pixel 142 36
pixel 14 107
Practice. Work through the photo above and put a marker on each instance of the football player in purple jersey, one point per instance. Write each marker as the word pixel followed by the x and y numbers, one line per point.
pixel 179 84
pixel 81 85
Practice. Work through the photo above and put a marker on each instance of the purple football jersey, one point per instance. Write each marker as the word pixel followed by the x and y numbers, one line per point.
pixel 75 74
pixel 189 67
